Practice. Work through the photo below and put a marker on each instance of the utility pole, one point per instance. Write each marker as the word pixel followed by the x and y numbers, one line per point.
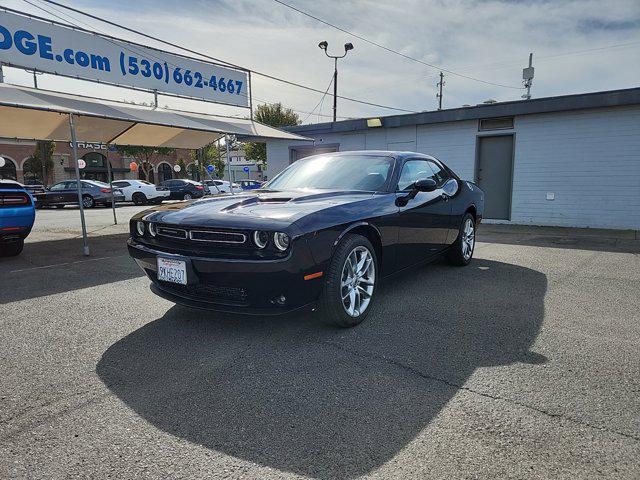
pixel 347 46
pixel 527 77
pixel 439 95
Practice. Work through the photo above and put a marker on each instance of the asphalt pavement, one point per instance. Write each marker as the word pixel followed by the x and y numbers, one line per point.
pixel 522 365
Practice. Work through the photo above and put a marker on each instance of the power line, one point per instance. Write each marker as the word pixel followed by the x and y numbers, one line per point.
pixel 391 50
pixel 209 57
pixel 320 101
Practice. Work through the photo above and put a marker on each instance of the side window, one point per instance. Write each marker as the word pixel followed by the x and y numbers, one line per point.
pixel 73 185
pixel 439 174
pixel 121 184
pixel 412 171
pixel 58 186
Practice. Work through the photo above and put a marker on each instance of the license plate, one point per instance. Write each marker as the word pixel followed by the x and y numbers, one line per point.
pixel 170 270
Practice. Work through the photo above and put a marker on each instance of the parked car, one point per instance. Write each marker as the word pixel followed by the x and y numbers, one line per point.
pixel 34 188
pixel 249 184
pixel 181 189
pixel 17 214
pixel 222 186
pixel 320 234
pixel 66 193
pixel 141 191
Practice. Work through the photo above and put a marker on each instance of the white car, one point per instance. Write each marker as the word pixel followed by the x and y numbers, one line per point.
pixel 141 191
pixel 222 186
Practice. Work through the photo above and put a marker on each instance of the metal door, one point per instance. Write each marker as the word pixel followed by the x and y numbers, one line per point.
pixel 495 174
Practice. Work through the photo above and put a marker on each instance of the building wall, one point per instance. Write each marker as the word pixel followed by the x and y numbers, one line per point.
pixel 589 160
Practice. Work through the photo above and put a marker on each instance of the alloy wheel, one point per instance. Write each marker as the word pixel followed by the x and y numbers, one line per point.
pixel 357 281
pixel 187 196
pixel 468 239
pixel 87 201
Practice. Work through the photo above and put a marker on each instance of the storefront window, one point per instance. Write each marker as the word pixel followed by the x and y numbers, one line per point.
pixel 9 170
pixel 164 172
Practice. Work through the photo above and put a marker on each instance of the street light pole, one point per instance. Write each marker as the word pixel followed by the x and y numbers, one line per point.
pixel 347 46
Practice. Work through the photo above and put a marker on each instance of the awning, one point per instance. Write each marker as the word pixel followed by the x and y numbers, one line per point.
pixel 32 114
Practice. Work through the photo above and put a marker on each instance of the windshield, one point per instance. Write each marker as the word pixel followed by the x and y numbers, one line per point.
pixel 335 172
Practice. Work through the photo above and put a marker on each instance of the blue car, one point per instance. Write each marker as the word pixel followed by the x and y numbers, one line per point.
pixel 249 184
pixel 17 214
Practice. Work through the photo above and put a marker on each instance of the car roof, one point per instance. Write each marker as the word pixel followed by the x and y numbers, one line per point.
pixel 12 184
pixel 399 154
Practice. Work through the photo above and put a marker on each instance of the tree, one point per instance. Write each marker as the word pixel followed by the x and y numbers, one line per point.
pixel 183 169
pixel 274 115
pixel 34 167
pixel 212 155
pixel 143 155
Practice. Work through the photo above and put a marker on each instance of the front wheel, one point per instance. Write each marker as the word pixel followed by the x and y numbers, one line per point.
pixel 461 251
pixel 350 282
pixel 187 196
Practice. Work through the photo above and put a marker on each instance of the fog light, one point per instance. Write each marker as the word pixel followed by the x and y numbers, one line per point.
pixel 280 300
pixel 260 238
pixel 281 241
pixel 152 229
pixel 140 228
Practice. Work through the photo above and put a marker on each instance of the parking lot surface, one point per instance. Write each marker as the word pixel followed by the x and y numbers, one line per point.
pixel 522 365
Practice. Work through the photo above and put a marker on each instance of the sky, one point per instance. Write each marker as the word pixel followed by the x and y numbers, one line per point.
pixel 578 46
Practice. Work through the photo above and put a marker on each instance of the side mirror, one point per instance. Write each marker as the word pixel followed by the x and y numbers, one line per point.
pixel 425 185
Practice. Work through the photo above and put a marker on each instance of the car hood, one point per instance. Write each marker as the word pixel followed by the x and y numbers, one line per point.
pixel 268 209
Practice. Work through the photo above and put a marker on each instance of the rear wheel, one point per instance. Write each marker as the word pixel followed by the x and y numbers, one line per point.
pixel 187 196
pixel 139 198
pixel 88 201
pixel 350 282
pixel 461 251
pixel 11 249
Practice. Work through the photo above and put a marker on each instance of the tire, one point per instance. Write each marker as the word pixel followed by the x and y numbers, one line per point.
pixel 187 196
pixel 139 198
pixel 88 201
pixel 341 302
pixel 461 252
pixel 11 249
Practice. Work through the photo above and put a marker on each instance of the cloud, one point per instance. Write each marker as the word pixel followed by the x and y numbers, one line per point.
pixel 489 40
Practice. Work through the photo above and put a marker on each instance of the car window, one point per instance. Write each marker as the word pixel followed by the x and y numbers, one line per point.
pixel 86 185
pixel 58 186
pixel 121 184
pixel 412 171
pixel 440 175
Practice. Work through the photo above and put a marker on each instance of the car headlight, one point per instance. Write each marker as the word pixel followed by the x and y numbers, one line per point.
pixel 140 227
pixel 152 229
pixel 260 238
pixel 281 241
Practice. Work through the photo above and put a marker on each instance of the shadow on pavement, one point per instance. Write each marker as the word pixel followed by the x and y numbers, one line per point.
pixel 57 266
pixel 555 237
pixel 294 395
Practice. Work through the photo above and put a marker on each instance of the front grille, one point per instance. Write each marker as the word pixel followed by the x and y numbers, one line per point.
pixel 172 232
pixel 216 237
pixel 204 292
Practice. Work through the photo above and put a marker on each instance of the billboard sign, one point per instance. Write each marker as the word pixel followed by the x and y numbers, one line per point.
pixel 50 47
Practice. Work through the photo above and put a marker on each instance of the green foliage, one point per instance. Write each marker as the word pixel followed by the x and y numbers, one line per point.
pixel 33 166
pixel 183 169
pixel 274 115
pixel 143 155
pixel 212 155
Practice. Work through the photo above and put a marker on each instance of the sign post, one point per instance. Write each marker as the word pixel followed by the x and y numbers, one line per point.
pixel 246 170
pixel 85 240
pixel 113 202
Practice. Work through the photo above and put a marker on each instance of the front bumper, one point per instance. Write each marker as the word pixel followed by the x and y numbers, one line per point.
pixel 233 285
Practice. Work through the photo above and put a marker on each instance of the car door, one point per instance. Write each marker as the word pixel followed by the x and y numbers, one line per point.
pixel 126 187
pixel 70 193
pixel 54 194
pixel 424 220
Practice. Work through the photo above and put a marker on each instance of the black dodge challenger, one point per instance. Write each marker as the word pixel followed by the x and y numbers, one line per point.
pixel 320 234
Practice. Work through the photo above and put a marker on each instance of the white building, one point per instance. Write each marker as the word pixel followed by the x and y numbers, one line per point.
pixel 563 161
pixel 238 165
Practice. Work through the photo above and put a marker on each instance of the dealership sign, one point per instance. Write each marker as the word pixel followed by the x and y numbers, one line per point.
pixel 53 48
